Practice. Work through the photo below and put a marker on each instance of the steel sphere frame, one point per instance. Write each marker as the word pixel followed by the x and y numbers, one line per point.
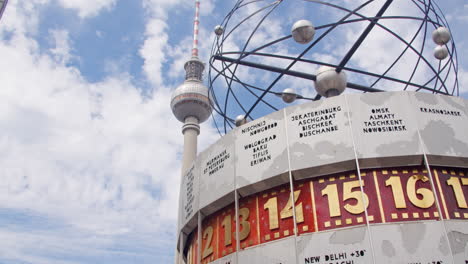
pixel 231 60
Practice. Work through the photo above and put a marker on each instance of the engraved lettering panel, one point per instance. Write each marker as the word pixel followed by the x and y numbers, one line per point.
pixel 443 122
pixel 261 154
pixel 189 198
pixel 350 245
pixel 383 126
pixel 217 175
pixel 319 134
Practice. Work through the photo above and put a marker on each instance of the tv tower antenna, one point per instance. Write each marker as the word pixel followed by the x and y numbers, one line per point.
pixel 191 105
pixel 190 102
pixel 196 23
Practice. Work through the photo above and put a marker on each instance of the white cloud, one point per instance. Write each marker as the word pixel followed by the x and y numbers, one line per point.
pixel 158 9
pixel 61 50
pixel 56 155
pixel 153 50
pixel 87 8
pixel 21 17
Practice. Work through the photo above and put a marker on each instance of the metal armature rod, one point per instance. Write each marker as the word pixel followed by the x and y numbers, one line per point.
pixel 363 36
pixel 2 8
pixel 379 76
pixel 293 73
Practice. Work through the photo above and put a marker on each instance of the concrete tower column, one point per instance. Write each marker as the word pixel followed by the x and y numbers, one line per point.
pixel 190 130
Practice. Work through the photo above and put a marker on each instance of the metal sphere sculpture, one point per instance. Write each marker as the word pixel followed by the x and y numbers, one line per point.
pixel 218 30
pixel 265 47
pixel 3 4
pixel 441 52
pixel 328 82
pixel 441 36
pixel 240 120
pixel 289 95
pixel 303 31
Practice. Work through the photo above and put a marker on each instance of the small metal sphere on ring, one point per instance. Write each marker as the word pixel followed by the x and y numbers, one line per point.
pixel 441 52
pixel 218 30
pixel 441 36
pixel 303 31
pixel 289 95
pixel 240 120
pixel 329 82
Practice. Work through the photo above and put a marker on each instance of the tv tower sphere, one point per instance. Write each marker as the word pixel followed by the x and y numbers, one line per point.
pixel 191 98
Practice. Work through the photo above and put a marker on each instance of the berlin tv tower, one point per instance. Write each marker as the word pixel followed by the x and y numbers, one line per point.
pixel 191 105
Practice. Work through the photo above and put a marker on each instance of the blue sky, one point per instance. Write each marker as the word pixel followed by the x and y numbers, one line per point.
pixel 90 151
